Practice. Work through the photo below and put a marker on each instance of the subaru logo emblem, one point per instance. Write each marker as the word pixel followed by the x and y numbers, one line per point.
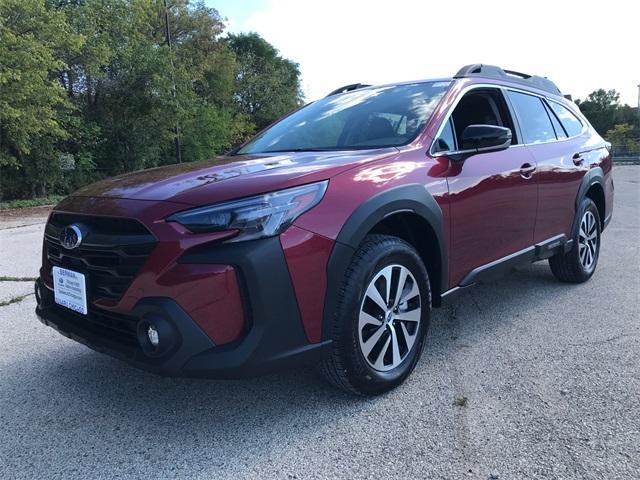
pixel 71 237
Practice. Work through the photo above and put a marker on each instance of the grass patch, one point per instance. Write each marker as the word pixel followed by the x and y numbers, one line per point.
pixel 31 202
pixel 18 279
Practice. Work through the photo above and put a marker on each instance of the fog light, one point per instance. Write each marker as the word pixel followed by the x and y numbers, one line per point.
pixel 156 335
pixel 152 335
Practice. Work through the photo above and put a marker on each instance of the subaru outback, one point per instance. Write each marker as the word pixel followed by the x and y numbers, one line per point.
pixel 329 236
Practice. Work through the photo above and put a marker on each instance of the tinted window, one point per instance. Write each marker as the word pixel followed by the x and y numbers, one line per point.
pixel 560 132
pixel 481 107
pixel 534 122
pixel 446 141
pixel 365 118
pixel 571 123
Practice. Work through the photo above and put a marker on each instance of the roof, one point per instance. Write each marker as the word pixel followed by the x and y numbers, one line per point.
pixel 476 70
pixel 497 73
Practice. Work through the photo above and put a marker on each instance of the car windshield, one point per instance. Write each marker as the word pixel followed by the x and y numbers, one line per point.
pixel 361 119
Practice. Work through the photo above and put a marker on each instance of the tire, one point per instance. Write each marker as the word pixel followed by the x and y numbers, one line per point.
pixel 359 362
pixel 579 264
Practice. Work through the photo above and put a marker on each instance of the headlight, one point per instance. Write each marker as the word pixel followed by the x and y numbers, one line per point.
pixel 254 217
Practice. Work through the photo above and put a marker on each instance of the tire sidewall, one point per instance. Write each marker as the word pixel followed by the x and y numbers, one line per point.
pixel 360 372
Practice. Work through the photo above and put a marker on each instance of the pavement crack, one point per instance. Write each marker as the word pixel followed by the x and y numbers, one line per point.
pixel 13 227
pixel 13 300
pixel 466 447
pixel 602 341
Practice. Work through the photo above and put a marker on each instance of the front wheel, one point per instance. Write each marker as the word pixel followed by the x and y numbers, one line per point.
pixel 577 265
pixel 382 317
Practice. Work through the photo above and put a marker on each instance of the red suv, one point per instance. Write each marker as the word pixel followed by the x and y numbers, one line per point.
pixel 328 237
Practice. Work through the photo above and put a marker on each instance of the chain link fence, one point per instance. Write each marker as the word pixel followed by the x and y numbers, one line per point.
pixel 626 151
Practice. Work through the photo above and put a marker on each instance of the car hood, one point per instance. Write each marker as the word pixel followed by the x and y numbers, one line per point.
pixel 226 177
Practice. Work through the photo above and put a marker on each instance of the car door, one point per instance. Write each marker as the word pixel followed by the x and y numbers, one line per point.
pixel 561 166
pixel 493 195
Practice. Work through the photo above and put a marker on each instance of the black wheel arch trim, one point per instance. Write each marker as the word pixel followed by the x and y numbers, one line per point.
pixel 412 198
pixel 594 176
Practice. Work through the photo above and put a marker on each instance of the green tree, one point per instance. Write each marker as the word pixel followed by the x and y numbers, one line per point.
pixel 619 124
pixel 204 75
pixel 630 116
pixel 90 88
pixel 125 78
pixel 600 108
pixel 34 111
pixel 623 140
pixel 267 85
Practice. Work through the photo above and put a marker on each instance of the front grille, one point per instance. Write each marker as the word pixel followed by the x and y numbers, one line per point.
pixel 111 253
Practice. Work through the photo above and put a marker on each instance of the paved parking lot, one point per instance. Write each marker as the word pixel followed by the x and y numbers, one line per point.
pixel 522 378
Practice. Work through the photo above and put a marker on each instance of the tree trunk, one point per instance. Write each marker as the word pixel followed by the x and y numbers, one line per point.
pixel 70 83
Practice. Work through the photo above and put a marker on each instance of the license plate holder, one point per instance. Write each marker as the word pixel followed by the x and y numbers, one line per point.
pixel 70 289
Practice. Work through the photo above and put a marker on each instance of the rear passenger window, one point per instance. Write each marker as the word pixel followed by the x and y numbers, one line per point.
pixel 560 133
pixel 571 123
pixel 534 121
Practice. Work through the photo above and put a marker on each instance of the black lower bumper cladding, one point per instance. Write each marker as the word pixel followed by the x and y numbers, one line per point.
pixel 275 338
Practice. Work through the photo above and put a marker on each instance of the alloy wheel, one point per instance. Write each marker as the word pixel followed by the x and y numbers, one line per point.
pixel 588 240
pixel 390 316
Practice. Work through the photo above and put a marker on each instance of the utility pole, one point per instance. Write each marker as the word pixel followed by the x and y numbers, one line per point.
pixel 167 32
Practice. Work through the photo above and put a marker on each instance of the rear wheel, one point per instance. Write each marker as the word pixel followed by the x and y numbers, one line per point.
pixel 577 265
pixel 383 311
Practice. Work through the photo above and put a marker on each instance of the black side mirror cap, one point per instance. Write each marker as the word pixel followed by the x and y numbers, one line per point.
pixel 481 139
pixel 486 138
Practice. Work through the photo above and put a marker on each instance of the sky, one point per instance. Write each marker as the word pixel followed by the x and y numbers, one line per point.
pixel 580 45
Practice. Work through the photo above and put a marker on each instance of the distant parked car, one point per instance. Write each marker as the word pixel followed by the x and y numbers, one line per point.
pixel 329 236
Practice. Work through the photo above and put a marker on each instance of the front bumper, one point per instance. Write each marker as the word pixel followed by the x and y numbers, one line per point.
pixel 275 336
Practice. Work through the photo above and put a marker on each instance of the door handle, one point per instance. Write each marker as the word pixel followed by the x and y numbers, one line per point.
pixel 577 159
pixel 526 170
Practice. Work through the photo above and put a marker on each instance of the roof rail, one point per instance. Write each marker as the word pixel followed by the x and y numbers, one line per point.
pixel 497 73
pixel 348 88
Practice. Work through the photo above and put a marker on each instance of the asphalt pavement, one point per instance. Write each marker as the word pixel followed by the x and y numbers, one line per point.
pixel 523 377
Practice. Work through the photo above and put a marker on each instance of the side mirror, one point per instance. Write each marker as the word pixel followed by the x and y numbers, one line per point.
pixel 484 138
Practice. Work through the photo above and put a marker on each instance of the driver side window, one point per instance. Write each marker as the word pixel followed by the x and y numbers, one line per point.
pixel 485 106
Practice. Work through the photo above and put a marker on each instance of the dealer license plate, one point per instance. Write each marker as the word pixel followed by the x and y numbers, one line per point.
pixel 70 289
